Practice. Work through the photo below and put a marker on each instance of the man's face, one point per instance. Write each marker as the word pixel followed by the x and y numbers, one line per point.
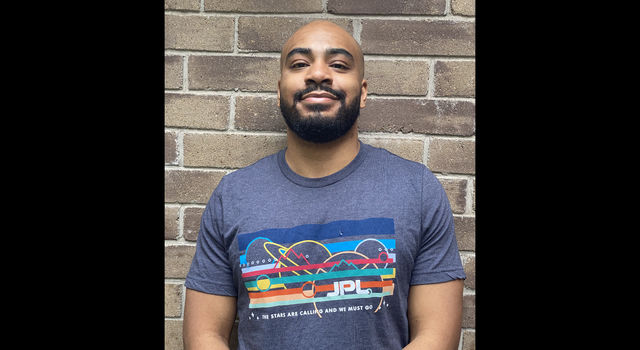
pixel 321 88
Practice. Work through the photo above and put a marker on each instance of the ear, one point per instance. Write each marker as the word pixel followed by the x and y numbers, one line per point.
pixel 278 93
pixel 363 93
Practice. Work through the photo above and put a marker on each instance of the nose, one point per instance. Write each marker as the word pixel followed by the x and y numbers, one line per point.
pixel 319 73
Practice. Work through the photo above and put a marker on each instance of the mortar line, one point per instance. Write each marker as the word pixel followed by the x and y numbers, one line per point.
pixel 180 237
pixel 454 176
pixel 421 98
pixel 469 198
pixel 196 131
pixel 326 15
pixel 371 134
pixel 183 296
pixel 276 54
pixel 193 205
pixel 231 125
pixel 416 136
pixel 357 30
pixel 180 146
pixel 173 280
pixel 378 134
pixel 227 93
pixel 431 82
pixel 170 52
pixel 235 34
pixel 185 70
pixel 425 151
pixel 240 93
pixel 414 58
pixel 174 243
pixel 207 169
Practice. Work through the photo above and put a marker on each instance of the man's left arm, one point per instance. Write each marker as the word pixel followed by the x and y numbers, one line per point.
pixel 435 315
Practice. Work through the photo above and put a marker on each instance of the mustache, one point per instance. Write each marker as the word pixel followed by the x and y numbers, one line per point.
pixel 315 87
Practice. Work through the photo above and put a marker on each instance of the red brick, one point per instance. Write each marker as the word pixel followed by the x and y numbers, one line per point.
pixel 411 37
pixel 177 260
pixel 233 72
pixel 455 79
pixel 468 340
pixel 173 72
pixel 470 271
pixel 190 186
pixel 196 111
pixel 473 196
pixel 171 216
pixel 386 7
pixel 268 34
pixel 469 311
pixel 230 150
pixel 193 5
pixel 173 335
pixel 456 190
pixel 172 299
pixel 452 156
pixel 266 6
pixel 465 228
pixel 463 7
pixel 396 77
pixel 419 116
pixel 408 149
pixel 170 148
pixel 191 223
pixel 259 113
pixel 205 33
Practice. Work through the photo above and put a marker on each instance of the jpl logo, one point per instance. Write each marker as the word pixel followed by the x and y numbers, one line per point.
pixel 347 286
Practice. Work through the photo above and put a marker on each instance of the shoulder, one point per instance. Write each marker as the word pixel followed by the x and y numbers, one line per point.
pixel 405 173
pixel 251 176
pixel 399 166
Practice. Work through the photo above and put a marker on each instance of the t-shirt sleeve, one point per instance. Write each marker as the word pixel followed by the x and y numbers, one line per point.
pixel 438 258
pixel 210 270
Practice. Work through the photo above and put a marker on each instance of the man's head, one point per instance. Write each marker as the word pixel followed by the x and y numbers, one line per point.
pixel 322 86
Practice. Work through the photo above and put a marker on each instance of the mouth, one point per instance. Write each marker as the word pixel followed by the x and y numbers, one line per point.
pixel 318 97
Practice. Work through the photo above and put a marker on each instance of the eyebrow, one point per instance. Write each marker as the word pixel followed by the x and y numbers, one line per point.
pixel 307 52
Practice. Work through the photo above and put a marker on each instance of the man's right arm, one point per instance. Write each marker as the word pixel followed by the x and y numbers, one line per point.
pixel 208 320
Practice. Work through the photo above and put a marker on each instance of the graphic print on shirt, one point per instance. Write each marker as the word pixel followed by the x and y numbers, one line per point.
pixel 320 263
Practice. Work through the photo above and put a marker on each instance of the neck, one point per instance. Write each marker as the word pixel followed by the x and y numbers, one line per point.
pixel 315 160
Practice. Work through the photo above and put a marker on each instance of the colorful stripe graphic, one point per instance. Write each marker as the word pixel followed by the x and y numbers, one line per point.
pixel 340 260
pixel 324 276
pixel 320 232
pixel 318 300
pixel 315 266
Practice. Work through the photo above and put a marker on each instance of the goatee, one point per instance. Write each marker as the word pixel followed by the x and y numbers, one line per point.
pixel 317 128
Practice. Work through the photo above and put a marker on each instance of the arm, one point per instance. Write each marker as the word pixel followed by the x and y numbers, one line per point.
pixel 208 320
pixel 435 315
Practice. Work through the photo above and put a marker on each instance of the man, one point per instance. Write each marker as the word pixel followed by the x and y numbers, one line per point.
pixel 330 243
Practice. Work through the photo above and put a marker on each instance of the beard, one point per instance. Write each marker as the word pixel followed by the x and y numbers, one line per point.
pixel 317 128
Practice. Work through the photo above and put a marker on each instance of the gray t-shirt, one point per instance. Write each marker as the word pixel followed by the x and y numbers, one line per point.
pixel 325 263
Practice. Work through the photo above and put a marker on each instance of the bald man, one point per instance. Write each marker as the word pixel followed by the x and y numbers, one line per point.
pixel 330 243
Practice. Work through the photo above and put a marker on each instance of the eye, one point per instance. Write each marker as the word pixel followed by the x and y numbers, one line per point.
pixel 299 65
pixel 339 66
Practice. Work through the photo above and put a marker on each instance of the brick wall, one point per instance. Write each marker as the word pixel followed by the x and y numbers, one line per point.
pixel 221 71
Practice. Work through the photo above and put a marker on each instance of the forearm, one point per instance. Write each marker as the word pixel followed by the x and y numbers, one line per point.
pixel 205 341
pixel 426 342
pixel 208 321
pixel 435 316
